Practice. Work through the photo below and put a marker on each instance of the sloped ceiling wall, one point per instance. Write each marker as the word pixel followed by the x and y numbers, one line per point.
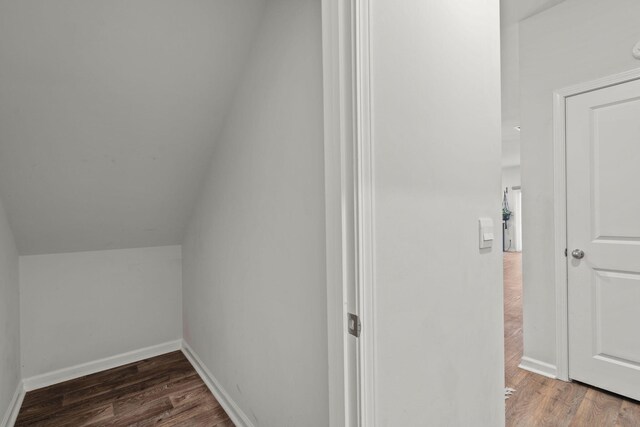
pixel 108 114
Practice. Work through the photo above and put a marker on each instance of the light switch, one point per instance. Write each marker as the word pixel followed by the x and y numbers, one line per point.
pixel 486 232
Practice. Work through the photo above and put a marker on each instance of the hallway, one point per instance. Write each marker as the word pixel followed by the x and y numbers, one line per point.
pixel 541 401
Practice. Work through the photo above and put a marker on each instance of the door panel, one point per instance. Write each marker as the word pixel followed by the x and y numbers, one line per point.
pixel 616 298
pixel 603 220
pixel 616 152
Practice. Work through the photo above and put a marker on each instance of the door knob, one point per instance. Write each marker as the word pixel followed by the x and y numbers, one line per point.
pixel 577 253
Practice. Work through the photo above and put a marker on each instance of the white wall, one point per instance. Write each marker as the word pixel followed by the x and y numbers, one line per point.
pixel 85 306
pixel 436 135
pixel 9 315
pixel 107 114
pixel 574 42
pixel 254 254
pixel 510 179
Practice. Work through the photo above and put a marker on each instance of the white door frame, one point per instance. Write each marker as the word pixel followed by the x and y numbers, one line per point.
pixel 517 192
pixel 347 138
pixel 560 208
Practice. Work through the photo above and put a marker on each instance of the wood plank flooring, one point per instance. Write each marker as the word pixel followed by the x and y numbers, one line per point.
pixel 161 391
pixel 541 401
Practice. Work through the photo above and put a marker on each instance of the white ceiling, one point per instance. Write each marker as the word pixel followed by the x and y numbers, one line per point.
pixel 108 113
pixel 511 13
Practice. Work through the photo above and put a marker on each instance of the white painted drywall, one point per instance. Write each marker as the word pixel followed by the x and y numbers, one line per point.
pixel 510 179
pixel 511 13
pixel 254 254
pixel 81 307
pixel 436 136
pixel 9 315
pixel 108 112
pixel 574 42
pixel 510 150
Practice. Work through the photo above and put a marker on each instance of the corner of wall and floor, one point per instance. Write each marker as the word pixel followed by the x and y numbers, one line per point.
pixel 11 413
pixel 54 351
pixel 239 418
pixel 236 414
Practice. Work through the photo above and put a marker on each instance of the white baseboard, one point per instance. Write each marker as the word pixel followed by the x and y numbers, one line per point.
pixel 239 418
pixel 66 374
pixel 538 367
pixel 11 415
pixel 236 414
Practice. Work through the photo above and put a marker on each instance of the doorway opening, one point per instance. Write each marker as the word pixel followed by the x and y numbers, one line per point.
pixel 589 304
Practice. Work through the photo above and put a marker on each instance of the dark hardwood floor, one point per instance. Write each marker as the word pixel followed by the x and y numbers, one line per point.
pixel 541 401
pixel 161 391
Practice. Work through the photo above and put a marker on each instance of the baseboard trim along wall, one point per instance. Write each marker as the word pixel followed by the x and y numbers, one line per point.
pixel 66 374
pixel 538 367
pixel 238 417
pixel 11 415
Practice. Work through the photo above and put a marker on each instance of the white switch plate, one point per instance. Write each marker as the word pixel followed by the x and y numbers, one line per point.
pixel 485 226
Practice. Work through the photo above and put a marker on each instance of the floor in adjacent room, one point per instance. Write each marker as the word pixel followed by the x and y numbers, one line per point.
pixel 160 391
pixel 541 401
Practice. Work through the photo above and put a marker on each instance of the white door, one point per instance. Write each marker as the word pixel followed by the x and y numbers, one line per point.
pixel 603 221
